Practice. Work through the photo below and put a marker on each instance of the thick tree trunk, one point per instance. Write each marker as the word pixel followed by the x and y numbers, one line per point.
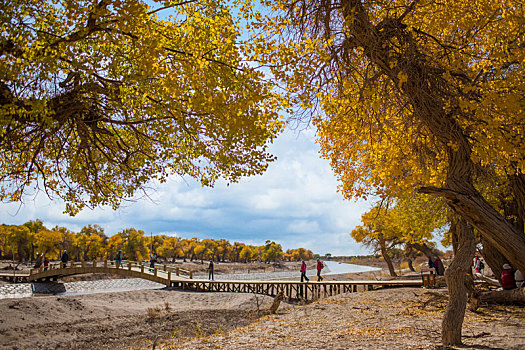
pixel 513 296
pixel 517 186
pixel 384 252
pixel 493 258
pixel 456 279
pixel 423 248
pixel 494 228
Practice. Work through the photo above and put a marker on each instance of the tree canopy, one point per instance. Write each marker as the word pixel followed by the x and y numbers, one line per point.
pixel 412 95
pixel 25 242
pixel 99 98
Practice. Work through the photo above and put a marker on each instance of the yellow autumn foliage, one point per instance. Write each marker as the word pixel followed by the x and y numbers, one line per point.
pixel 98 98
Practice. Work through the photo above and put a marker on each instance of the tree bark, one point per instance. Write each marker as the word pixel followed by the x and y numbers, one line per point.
pixel 513 296
pixel 517 186
pixel 276 302
pixel 493 258
pixel 456 279
pixel 423 248
pixel 384 252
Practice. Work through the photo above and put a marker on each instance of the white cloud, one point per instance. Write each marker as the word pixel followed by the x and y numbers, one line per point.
pixel 304 227
pixel 294 203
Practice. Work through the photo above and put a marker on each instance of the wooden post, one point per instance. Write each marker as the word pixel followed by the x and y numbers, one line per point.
pixel 142 268
pixel 177 271
pixel 94 263
pixel 191 274
pixel 169 276
pixel 306 292
pixel 155 272
pixel 129 266
pixel 105 264
pixel 83 264
pixel 165 268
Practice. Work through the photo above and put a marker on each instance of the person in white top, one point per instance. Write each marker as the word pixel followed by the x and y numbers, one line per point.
pixel 518 276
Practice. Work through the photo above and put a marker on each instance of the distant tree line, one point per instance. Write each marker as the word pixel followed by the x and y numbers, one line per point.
pixel 25 242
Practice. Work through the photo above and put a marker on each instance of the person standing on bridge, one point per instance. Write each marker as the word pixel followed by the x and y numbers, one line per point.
pixel 118 259
pixel 320 266
pixel 211 266
pixel 64 258
pixel 303 272
pixel 46 263
pixel 153 260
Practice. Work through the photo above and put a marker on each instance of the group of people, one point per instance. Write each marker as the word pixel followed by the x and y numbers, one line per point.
pixel 41 260
pixel 319 267
pixel 436 263
pixel 479 266
pixel 510 278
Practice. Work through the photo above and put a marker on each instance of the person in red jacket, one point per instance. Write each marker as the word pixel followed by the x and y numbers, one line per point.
pixel 507 278
pixel 303 272
pixel 320 266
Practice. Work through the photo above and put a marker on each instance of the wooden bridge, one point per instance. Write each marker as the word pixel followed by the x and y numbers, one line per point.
pixel 179 278
pixel 163 274
pixel 292 290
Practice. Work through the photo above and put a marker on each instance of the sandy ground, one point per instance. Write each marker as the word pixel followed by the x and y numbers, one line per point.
pixel 389 319
pixel 402 318
pixel 120 320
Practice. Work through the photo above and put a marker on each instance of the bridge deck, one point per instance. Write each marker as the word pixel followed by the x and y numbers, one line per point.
pixel 183 279
pixel 292 290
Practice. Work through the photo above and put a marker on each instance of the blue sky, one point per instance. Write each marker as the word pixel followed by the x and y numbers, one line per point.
pixel 295 203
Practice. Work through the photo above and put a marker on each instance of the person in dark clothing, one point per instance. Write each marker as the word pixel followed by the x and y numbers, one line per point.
pixel 211 267
pixel 39 260
pixel 438 265
pixel 119 257
pixel 64 258
pixel 153 260
pixel 46 263
pixel 430 263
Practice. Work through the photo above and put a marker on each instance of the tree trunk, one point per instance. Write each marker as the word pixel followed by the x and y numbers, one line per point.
pixel 517 186
pixel 455 276
pixel 384 252
pixel 493 258
pixel 276 302
pixel 513 296
pixel 411 265
pixel 423 248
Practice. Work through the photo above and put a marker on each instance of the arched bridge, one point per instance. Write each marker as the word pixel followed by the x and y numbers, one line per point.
pixel 163 274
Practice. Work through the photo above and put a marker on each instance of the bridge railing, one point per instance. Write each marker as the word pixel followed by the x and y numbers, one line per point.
pixel 125 264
